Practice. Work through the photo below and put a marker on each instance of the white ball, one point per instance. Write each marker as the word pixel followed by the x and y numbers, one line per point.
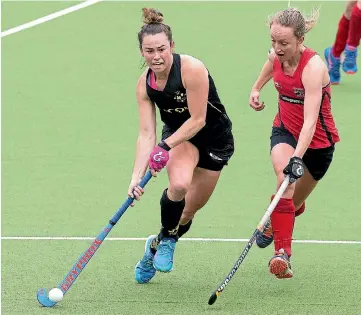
pixel 56 295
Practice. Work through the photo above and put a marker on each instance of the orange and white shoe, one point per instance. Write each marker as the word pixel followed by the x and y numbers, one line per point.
pixel 280 265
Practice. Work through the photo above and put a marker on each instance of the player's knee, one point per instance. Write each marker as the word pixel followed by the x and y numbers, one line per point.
pixel 178 187
pixel 280 178
pixel 351 3
pixel 349 7
pixel 290 188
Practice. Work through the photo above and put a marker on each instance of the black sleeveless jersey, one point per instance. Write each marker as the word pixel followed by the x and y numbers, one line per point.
pixel 172 101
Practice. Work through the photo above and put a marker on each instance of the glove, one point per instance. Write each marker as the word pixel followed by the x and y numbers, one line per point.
pixel 159 156
pixel 294 169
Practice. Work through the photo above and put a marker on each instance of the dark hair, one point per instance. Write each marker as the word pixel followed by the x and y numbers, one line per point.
pixel 153 24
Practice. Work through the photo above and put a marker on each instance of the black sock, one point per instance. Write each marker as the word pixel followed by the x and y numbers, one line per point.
pixel 171 212
pixel 183 229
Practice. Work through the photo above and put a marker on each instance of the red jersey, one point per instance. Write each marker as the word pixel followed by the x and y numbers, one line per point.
pixel 290 105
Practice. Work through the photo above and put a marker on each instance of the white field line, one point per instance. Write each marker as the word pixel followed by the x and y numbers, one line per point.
pixel 193 239
pixel 49 17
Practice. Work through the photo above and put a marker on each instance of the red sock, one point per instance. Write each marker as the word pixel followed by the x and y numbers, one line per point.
pixel 282 220
pixel 354 34
pixel 341 37
pixel 301 209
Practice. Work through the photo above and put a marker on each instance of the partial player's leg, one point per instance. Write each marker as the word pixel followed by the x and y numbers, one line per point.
pixel 203 184
pixel 183 159
pixel 333 53
pixel 349 65
pixel 304 186
pixel 212 159
pixel 283 216
pixel 317 162
pixel 280 137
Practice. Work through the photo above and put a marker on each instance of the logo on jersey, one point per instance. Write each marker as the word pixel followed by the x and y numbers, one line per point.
pixel 180 97
pixel 291 100
pixel 179 110
pixel 299 92
pixel 277 85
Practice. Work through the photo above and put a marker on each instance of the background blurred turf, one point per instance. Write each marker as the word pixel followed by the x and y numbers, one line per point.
pixel 69 126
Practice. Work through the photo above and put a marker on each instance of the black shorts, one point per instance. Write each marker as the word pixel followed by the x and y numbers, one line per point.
pixel 317 161
pixel 215 149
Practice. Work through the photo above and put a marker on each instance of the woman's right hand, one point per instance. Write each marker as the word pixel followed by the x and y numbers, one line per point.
pixel 254 101
pixel 134 190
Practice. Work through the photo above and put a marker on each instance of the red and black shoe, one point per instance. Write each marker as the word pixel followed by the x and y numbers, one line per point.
pixel 280 265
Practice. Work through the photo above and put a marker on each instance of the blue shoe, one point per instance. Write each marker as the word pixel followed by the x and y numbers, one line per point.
pixel 144 270
pixel 163 259
pixel 349 64
pixel 266 238
pixel 333 65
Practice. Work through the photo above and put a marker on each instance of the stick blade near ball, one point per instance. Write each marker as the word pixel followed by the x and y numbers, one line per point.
pixel 43 298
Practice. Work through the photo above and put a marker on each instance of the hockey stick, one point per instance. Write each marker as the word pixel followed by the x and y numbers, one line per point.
pixel 245 251
pixel 65 284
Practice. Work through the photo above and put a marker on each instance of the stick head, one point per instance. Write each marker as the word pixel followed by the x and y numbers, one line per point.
pixel 43 298
pixel 212 298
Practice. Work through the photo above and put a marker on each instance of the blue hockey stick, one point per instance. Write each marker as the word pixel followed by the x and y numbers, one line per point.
pixel 82 261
